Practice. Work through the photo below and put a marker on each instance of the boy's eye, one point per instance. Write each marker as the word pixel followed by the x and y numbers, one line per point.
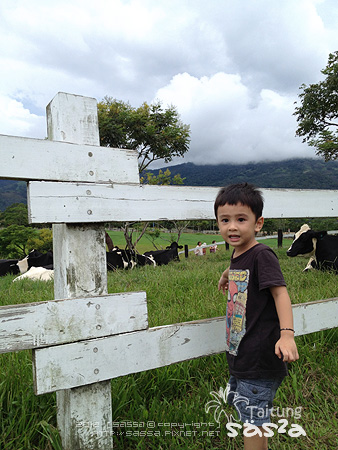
pixel 241 219
pixel 225 220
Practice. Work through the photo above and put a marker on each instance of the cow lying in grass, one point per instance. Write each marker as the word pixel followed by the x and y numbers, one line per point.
pixel 37 273
pixel 321 248
pixel 125 259
pixel 162 257
pixel 116 259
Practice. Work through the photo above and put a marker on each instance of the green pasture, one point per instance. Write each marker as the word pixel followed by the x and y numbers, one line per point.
pixel 165 408
pixel 190 239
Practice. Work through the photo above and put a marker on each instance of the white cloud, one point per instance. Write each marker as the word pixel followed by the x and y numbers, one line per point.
pixel 18 121
pixel 232 68
pixel 228 125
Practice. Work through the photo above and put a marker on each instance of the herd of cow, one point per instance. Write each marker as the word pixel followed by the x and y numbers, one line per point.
pixel 321 248
pixel 39 266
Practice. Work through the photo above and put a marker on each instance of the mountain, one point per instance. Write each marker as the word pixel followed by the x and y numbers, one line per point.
pixel 12 192
pixel 293 173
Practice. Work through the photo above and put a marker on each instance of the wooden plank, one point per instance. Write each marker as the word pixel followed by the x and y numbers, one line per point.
pixel 70 202
pixel 73 118
pixel 80 271
pixel 35 325
pixel 71 365
pixel 315 316
pixel 80 202
pixel 61 161
pixel 64 367
pixel 280 203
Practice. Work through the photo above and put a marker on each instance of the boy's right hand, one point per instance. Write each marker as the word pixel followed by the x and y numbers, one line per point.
pixel 223 283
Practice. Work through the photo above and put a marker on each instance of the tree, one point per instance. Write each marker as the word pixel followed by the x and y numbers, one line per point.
pixel 317 116
pixel 163 178
pixel 156 133
pixel 42 241
pixel 15 214
pixel 13 240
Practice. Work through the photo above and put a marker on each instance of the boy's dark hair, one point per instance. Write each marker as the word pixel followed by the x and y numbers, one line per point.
pixel 244 193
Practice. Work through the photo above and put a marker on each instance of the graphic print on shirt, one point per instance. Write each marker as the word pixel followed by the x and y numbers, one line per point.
pixel 236 309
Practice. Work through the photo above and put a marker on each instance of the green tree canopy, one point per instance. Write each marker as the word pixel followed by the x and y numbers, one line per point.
pixel 13 241
pixel 163 178
pixel 15 214
pixel 317 115
pixel 156 133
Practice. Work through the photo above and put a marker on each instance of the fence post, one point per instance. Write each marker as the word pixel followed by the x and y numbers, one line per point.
pixel 84 414
pixel 186 251
pixel 280 238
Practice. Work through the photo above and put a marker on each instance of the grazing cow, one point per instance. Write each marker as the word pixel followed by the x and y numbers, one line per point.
pixel 8 266
pixel 36 259
pixel 318 245
pixel 163 257
pixel 37 273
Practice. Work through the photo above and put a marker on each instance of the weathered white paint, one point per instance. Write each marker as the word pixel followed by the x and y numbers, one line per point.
pixel 69 365
pixel 279 203
pixel 35 325
pixel 82 432
pixel 315 316
pixel 73 118
pixel 80 271
pixel 65 162
pixel 80 202
pixel 80 261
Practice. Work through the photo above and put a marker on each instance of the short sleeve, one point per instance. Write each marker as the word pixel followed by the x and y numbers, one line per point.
pixel 268 270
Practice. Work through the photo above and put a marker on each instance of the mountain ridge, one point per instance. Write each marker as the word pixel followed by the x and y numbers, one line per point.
pixel 287 174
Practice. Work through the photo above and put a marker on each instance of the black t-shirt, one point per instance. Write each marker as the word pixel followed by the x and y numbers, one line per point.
pixel 252 324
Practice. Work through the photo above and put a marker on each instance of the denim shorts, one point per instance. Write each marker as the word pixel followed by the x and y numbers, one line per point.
pixel 252 398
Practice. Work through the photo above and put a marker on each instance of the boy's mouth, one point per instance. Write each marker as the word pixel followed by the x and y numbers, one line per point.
pixel 234 237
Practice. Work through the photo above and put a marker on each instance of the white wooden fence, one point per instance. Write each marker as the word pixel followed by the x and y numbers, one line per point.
pixel 85 337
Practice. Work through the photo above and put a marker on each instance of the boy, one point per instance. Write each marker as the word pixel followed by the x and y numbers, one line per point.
pixel 259 322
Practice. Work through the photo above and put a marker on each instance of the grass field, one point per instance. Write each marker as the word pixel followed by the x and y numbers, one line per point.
pixel 165 408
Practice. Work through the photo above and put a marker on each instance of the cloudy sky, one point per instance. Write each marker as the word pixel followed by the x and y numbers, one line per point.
pixel 233 68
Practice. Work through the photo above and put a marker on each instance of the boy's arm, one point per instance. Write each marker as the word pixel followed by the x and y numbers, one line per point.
pixel 285 346
pixel 223 283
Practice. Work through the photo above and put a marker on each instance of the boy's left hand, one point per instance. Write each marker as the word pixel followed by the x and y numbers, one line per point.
pixel 286 348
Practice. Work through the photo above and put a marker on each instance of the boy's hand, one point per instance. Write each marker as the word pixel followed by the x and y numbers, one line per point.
pixel 286 347
pixel 223 283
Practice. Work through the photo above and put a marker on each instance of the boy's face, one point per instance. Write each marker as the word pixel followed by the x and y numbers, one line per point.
pixel 238 226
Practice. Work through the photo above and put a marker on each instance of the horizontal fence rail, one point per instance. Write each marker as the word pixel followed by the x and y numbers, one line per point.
pixel 50 202
pixel 98 338
pixel 67 366
pixel 64 161
pixel 35 325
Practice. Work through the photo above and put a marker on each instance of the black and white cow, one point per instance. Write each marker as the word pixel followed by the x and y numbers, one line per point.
pixel 126 259
pixel 36 259
pixel 8 266
pixel 163 257
pixel 120 259
pixel 321 248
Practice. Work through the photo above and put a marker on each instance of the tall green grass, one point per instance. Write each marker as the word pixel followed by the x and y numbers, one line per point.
pixel 165 408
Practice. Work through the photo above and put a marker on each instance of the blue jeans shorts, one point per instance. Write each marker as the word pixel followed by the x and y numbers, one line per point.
pixel 252 398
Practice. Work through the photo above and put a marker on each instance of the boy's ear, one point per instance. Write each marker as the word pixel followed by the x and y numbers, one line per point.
pixel 259 224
